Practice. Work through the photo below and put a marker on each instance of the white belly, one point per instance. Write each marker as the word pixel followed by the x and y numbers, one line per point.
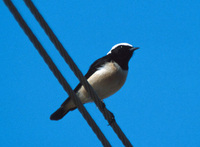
pixel 106 81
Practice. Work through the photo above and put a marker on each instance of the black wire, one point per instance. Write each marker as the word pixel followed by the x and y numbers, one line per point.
pixel 56 72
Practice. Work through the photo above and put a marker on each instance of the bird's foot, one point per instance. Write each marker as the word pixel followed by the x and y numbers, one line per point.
pixel 112 118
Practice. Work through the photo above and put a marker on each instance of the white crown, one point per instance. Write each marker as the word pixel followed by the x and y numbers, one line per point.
pixel 115 46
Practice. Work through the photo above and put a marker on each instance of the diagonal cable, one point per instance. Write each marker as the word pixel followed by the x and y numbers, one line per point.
pixel 56 72
pixel 107 114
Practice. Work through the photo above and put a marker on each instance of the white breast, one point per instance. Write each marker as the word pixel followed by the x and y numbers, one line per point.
pixel 106 81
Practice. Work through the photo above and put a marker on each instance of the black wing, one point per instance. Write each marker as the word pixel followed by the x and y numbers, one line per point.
pixel 93 68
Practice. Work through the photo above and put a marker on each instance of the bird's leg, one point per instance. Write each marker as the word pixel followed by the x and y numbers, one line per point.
pixel 112 118
pixel 103 104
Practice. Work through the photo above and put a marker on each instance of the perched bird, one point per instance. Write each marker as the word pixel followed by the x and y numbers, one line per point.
pixel 106 75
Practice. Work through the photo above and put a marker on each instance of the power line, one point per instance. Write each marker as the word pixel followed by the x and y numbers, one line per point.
pixel 56 72
pixel 107 114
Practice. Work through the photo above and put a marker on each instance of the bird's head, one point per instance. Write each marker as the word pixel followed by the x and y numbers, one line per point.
pixel 122 52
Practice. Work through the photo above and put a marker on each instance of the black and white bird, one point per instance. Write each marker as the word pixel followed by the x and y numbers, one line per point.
pixel 106 75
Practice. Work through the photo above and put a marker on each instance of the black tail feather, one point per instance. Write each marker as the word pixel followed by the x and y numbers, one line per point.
pixel 58 114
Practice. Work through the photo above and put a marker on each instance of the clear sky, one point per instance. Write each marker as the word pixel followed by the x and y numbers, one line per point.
pixel 159 105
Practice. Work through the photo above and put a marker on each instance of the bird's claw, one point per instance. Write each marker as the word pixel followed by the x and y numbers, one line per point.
pixel 112 119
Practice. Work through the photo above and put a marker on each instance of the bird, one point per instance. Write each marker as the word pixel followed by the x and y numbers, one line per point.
pixel 106 75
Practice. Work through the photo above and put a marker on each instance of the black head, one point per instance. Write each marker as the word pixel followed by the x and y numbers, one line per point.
pixel 122 53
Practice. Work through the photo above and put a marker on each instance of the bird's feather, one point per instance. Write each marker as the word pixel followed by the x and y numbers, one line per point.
pixel 93 68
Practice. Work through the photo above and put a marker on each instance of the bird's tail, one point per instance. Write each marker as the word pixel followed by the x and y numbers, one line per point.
pixel 67 106
pixel 58 114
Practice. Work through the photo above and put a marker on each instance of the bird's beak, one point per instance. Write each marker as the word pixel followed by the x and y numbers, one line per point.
pixel 134 48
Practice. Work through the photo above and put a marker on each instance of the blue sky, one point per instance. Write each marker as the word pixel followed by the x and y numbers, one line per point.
pixel 159 105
